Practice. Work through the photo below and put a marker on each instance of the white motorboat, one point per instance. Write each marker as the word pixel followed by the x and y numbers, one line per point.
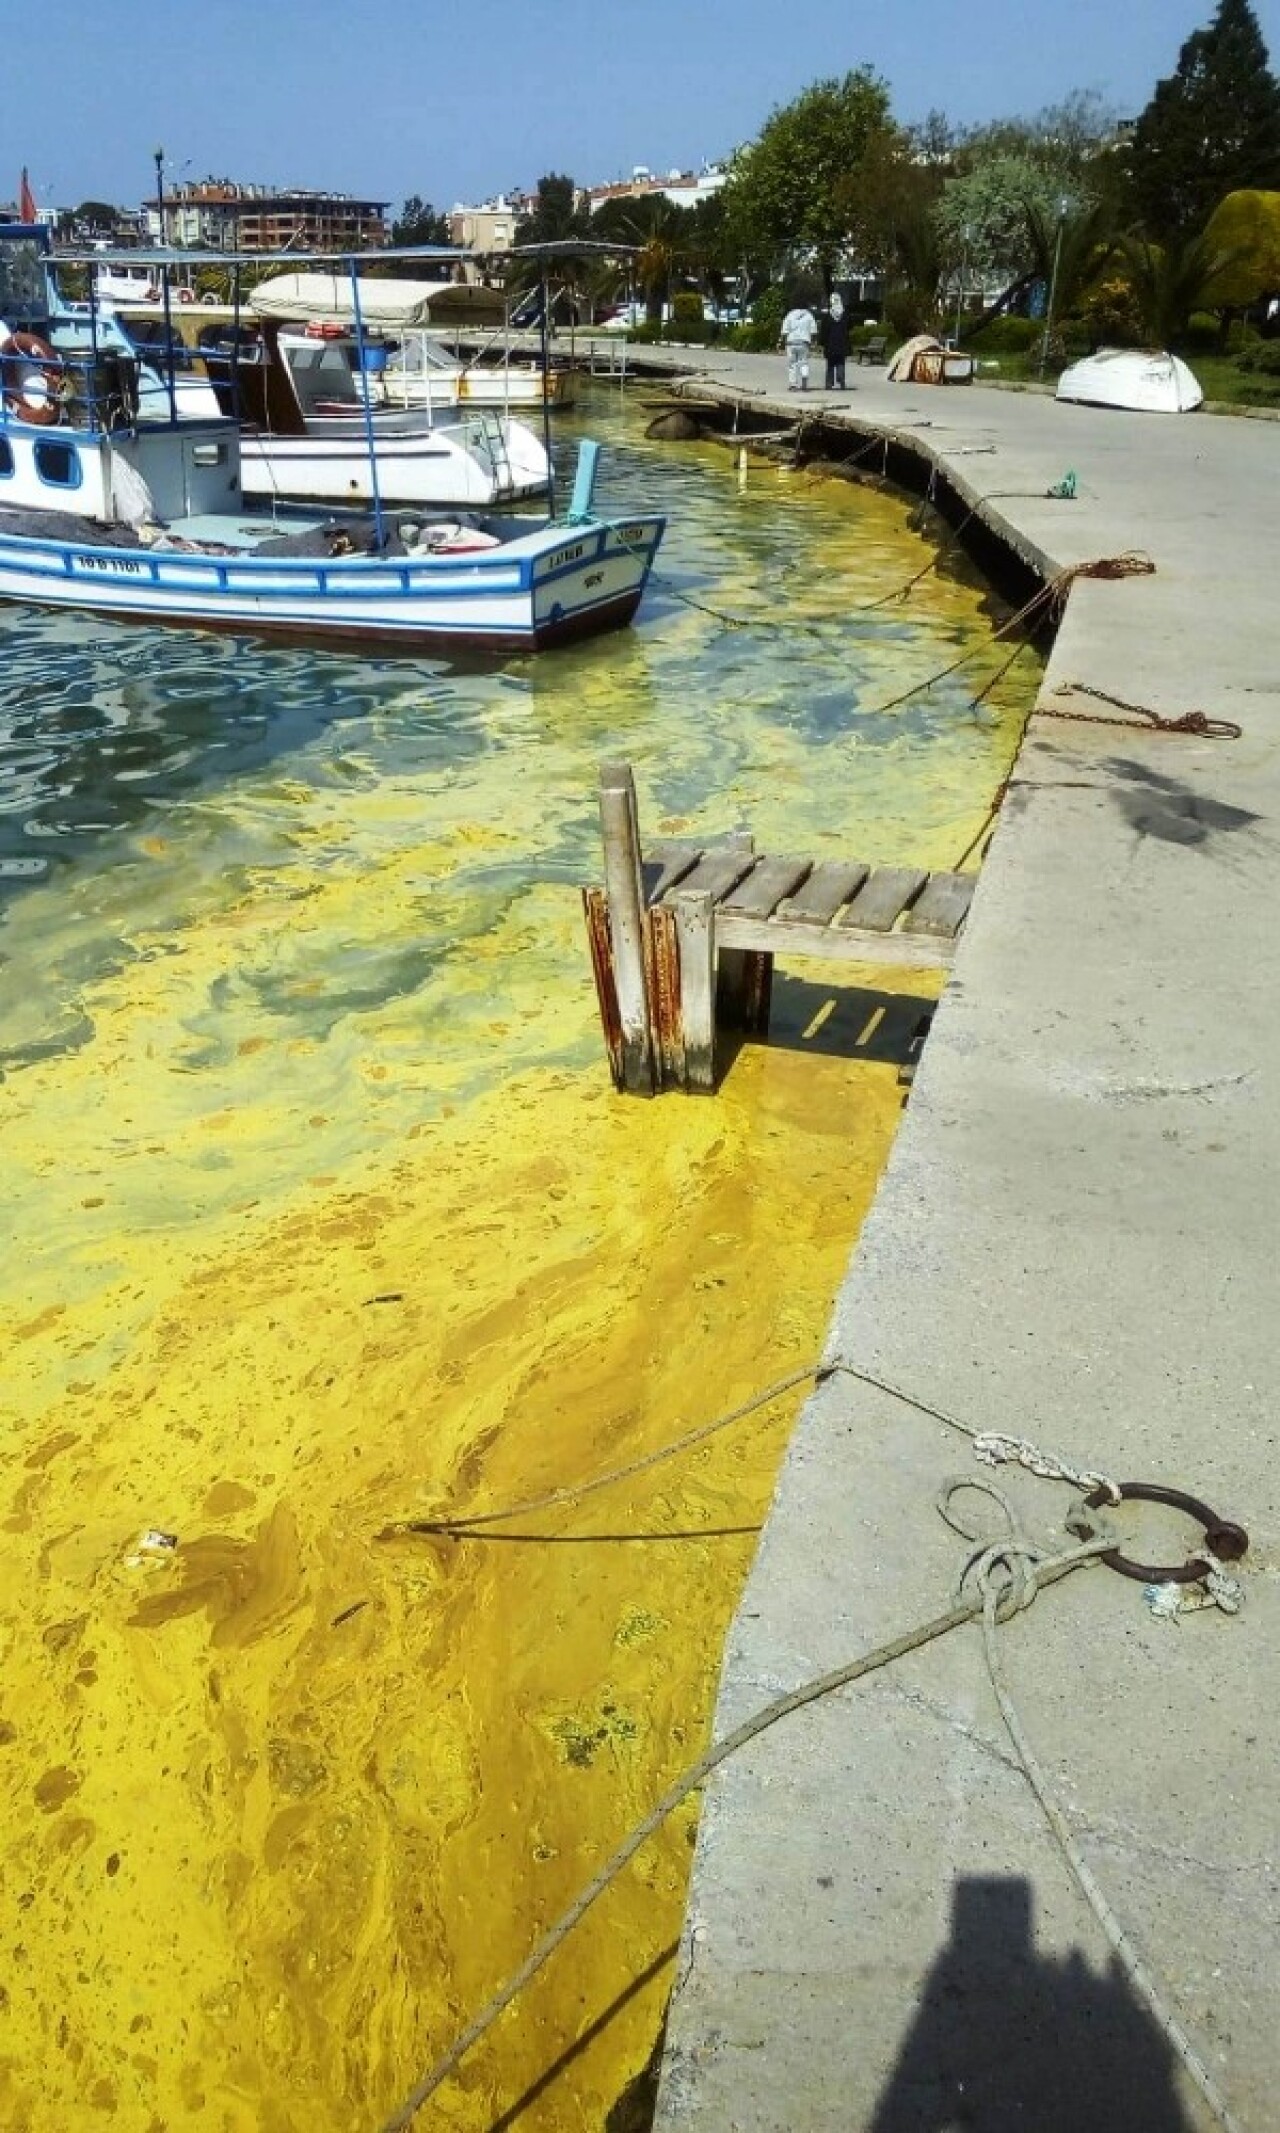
pixel 1146 381
pixel 307 426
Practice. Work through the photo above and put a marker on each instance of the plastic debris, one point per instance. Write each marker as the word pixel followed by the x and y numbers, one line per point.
pixel 152 1545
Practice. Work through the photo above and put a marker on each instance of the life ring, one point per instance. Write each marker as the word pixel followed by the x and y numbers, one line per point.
pixel 186 296
pixel 43 368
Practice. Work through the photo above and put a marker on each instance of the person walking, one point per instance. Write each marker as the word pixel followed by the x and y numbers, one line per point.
pixel 799 332
pixel 834 335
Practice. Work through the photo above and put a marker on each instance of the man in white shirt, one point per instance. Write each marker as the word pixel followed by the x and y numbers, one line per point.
pixel 799 331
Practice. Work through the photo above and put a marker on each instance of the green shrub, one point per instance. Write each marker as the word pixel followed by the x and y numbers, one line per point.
pixel 646 334
pixel 1006 336
pixel 686 322
pixel 862 334
pixel 1262 358
pixel 767 314
pixel 1203 335
pixel 751 339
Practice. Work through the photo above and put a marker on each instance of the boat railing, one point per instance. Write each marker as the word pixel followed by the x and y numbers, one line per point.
pixel 97 391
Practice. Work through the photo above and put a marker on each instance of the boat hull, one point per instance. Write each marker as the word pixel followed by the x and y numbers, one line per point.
pixel 525 596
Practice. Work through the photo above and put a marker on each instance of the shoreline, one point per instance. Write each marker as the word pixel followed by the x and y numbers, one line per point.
pixel 1071 1242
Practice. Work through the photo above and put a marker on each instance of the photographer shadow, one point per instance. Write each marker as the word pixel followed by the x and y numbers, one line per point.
pixel 1009 2041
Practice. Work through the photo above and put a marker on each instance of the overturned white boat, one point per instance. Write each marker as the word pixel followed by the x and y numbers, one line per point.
pixel 1146 381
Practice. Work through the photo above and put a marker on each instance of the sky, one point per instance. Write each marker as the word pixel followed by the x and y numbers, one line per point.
pixel 456 100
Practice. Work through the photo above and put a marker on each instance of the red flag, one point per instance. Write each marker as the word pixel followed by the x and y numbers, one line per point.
pixel 27 201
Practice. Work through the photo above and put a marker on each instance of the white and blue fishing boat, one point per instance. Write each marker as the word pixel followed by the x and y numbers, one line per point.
pixel 112 507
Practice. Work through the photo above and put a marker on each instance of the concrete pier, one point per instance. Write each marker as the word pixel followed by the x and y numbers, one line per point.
pixel 1076 1242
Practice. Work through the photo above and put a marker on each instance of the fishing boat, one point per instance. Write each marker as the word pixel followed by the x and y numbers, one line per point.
pixel 104 512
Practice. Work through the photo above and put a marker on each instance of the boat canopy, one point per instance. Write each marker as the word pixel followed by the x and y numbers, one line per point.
pixel 386 306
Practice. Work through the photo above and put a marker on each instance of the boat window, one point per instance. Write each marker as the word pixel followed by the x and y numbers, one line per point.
pixel 209 455
pixel 6 459
pixel 58 464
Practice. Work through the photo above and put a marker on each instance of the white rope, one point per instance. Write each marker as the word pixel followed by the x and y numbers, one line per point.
pixel 1006 1579
pixel 994 1448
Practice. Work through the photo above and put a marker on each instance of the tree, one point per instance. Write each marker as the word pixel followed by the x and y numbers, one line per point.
pixel 555 213
pixel 659 236
pixel 1212 127
pixel 418 223
pixel 1246 225
pixel 992 204
pixel 1172 280
pixel 784 191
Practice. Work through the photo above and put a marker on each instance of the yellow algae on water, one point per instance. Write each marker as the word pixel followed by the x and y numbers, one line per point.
pixel 328 1787
pixel 326 1219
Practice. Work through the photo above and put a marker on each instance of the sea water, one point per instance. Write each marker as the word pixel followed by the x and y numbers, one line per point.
pixel 321 1216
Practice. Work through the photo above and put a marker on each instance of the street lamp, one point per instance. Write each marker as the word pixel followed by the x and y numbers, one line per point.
pixel 965 235
pixel 1053 285
pixel 164 289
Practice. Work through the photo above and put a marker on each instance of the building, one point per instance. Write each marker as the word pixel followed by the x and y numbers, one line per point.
pixel 484 230
pixel 684 188
pixel 225 217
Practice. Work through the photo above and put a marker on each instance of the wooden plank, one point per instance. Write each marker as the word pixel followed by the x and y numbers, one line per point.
pixel 942 905
pixel 833 944
pixel 831 883
pixel 595 910
pixel 883 898
pixel 665 862
pixel 759 892
pixel 664 994
pixel 621 834
pixel 720 869
pixel 695 933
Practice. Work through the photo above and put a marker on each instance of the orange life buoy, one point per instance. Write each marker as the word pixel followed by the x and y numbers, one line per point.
pixel 326 331
pixel 186 296
pixel 40 366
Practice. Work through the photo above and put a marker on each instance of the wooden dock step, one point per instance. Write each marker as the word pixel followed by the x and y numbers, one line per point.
pixel 684 933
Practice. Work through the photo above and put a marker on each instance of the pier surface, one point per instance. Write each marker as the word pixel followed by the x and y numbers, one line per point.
pixel 1076 1242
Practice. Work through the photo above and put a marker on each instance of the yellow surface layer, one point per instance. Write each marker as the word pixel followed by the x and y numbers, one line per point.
pixel 288 1802
pixel 322 1217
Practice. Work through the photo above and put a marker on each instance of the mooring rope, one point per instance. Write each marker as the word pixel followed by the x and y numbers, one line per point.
pixel 462 1524
pixel 1008 1571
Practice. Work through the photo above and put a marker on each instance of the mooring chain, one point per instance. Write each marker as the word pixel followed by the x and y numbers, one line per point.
pixel 1198 723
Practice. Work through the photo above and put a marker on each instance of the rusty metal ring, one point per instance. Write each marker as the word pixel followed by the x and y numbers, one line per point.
pixel 1222 1539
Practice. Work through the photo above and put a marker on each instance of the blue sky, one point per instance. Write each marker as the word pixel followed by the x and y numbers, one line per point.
pixel 455 99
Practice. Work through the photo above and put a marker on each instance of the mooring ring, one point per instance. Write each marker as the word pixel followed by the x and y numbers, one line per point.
pixel 1223 1540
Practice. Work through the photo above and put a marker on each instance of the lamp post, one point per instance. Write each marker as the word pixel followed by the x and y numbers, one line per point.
pixel 164 289
pixel 965 234
pixel 1053 286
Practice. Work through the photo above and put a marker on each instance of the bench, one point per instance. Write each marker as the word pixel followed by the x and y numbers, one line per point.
pixel 874 350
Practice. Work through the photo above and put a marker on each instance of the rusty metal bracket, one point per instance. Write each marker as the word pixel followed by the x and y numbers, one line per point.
pixel 1223 1540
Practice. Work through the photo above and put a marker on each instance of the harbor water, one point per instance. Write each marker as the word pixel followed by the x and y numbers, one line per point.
pixel 322 1216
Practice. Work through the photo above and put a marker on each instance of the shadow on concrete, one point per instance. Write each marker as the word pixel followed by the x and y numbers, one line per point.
pixel 1163 807
pixel 1008 2041
pixel 846 1021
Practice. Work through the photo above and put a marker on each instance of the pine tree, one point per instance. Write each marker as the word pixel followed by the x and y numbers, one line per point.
pixel 1211 128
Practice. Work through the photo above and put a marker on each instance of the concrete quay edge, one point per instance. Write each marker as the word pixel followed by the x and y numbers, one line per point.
pixel 1075 1241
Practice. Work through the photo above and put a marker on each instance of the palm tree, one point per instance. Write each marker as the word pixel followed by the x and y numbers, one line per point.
pixel 1172 280
pixel 1070 251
